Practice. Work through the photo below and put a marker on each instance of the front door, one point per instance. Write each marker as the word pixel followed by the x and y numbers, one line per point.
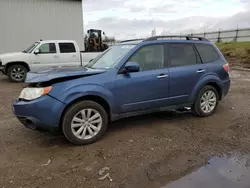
pixel 185 70
pixel 47 58
pixel 147 88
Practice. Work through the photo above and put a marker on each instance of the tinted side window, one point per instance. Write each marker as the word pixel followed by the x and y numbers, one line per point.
pixel 182 55
pixel 207 52
pixel 67 47
pixel 149 57
pixel 47 48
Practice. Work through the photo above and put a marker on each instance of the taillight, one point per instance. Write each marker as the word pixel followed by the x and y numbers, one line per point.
pixel 226 67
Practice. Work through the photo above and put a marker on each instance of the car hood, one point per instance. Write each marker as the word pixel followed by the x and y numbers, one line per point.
pixel 10 54
pixel 52 74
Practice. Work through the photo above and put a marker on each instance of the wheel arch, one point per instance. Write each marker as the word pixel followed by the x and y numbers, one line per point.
pixel 9 64
pixel 217 87
pixel 95 98
pixel 212 82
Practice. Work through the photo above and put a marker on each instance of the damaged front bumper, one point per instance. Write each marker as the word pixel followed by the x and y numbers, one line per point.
pixel 43 113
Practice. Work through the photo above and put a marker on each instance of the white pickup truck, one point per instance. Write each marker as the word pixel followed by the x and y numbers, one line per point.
pixel 43 55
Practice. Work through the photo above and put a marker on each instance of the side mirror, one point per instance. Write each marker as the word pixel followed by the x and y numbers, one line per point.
pixel 37 51
pixel 131 67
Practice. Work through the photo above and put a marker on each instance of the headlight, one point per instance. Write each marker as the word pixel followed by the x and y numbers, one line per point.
pixel 34 93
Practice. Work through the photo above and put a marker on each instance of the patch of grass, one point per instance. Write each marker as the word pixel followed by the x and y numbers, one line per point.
pixel 236 53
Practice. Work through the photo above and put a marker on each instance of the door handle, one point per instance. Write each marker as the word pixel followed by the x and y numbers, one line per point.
pixel 55 56
pixel 162 76
pixel 200 70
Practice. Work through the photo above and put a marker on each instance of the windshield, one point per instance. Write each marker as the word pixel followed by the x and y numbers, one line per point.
pixel 94 33
pixel 111 57
pixel 31 48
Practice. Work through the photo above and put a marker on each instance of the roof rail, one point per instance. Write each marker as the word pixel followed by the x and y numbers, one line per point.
pixel 188 37
pixel 130 40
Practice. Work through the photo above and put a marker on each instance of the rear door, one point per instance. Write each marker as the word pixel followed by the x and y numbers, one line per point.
pixel 68 56
pixel 185 70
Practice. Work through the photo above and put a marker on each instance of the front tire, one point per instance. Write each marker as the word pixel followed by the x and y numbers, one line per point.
pixel 206 101
pixel 84 123
pixel 17 73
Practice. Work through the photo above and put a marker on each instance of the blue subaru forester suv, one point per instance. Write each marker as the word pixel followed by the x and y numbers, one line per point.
pixel 129 78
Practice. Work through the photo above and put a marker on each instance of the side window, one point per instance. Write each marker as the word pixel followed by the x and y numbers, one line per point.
pixel 67 48
pixel 207 52
pixel 149 57
pixel 182 55
pixel 47 48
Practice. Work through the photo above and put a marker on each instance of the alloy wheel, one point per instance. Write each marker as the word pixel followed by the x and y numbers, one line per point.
pixel 208 101
pixel 18 74
pixel 86 124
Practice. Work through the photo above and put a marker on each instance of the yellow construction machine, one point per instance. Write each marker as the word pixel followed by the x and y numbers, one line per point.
pixel 94 41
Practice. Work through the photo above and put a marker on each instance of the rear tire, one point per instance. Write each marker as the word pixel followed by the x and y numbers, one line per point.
pixel 17 73
pixel 206 101
pixel 84 123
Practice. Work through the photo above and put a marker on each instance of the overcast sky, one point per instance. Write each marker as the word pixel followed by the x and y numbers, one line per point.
pixel 134 19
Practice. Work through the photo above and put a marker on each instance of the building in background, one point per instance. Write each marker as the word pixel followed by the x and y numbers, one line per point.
pixel 23 22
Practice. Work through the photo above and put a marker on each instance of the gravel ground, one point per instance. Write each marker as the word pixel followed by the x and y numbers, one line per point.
pixel 147 151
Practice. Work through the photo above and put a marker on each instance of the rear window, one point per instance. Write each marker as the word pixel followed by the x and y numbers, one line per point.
pixel 207 52
pixel 67 47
